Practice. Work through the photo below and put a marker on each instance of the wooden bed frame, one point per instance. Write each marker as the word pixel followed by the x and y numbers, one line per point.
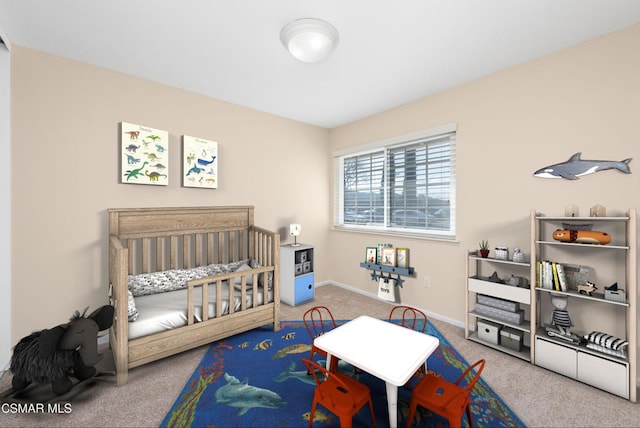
pixel 143 240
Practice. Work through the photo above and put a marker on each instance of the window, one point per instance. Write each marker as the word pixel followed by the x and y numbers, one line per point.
pixel 403 186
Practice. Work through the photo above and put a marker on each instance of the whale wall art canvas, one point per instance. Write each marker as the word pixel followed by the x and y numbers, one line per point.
pixel 144 155
pixel 576 167
pixel 200 163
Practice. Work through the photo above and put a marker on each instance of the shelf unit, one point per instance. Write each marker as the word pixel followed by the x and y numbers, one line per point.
pixel 478 283
pixel 615 262
pixel 297 281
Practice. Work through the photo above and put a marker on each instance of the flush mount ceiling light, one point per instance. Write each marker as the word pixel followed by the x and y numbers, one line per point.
pixel 309 39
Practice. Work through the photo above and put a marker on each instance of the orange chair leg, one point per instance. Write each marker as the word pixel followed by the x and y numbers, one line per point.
pixel 412 412
pixel 469 416
pixel 373 416
pixel 313 411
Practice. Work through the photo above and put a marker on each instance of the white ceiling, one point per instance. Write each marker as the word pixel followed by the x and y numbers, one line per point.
pixel 390 52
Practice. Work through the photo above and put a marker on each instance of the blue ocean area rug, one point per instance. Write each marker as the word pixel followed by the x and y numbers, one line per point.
pixel 257 379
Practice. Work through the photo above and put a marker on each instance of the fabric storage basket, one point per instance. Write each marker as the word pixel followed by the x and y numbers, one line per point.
pixel 505 305
pixel 616 296
pixel 500 314
pixel 488 331
pixel 511 338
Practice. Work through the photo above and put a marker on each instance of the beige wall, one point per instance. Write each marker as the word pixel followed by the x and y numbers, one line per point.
pixel 583 99
pixel 65 141
pixel 65 167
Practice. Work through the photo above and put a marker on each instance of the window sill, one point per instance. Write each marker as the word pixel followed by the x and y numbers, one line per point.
pixel 398 233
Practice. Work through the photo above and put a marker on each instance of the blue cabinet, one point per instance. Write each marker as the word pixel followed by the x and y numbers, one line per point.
pixel 296 274
pixel 304 288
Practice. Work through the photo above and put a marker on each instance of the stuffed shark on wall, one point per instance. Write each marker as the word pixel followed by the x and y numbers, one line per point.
pixel 576 167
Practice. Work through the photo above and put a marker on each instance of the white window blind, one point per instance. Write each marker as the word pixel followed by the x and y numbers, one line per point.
pixel 404 187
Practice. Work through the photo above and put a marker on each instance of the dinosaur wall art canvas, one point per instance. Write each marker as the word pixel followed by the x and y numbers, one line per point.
pixel 199 163
pixel 144 155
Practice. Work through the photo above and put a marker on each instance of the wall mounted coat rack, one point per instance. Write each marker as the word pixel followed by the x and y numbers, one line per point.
pixel 387 272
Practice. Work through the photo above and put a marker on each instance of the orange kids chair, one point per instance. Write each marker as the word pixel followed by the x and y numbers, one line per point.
pixel 339 393
pixel 319 320
pixel 409 318
pixel 447 399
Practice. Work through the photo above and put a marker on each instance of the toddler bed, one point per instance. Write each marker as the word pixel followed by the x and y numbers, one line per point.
pixel 165 262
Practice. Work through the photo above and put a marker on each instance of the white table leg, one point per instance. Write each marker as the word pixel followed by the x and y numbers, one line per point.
pixel 328 362
pixel 392 403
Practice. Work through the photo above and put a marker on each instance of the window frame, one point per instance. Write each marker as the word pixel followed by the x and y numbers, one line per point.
pixel 385 146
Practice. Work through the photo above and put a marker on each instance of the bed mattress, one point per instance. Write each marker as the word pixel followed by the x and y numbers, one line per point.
pixel 166 311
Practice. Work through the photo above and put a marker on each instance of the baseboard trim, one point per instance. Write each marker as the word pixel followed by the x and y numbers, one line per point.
pixel 375 296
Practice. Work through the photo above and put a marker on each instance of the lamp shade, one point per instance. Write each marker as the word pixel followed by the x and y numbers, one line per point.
pixel 295 229
pixel 309 39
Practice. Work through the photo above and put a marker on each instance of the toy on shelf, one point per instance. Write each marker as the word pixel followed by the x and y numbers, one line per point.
pixel 587 288
pixel 581 236
pixel 561 320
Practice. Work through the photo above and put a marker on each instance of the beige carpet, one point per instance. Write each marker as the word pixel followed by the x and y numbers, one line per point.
pixel 537 396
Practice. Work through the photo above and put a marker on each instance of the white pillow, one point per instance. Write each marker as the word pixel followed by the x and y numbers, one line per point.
pixel 238 280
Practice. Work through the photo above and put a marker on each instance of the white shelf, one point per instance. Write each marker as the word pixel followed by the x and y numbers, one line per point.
pixel 598 297
pixel 477 283
pixel 583 219
pixel 522 327
pixel 524 354
pixel 586 246
pixel 614 262
pixel 542 334
pixel 494 260
pixel 481 285
pixel 611 263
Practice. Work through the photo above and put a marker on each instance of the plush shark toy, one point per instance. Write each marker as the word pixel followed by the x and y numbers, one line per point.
pixel 576 167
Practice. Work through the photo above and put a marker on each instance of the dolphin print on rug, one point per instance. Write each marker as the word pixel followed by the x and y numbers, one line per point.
pixel 576 167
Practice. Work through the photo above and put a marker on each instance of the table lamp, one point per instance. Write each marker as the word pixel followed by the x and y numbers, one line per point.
pixel 294 230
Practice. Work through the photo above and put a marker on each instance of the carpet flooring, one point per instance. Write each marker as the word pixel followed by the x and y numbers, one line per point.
pixel 257 379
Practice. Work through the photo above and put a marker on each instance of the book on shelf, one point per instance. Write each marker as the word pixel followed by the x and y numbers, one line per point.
pixel 560 277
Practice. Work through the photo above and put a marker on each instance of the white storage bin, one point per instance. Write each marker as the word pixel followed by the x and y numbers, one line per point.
pixel 488 331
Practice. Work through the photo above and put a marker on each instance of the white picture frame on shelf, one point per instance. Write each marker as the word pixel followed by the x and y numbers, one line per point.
pixel 402 258
pixel 371 255
pixel 388 256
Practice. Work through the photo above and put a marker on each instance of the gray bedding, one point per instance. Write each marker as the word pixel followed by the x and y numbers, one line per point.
pixel 165 311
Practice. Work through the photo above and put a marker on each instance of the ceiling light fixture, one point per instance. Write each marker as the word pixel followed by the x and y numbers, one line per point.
pixel 309 39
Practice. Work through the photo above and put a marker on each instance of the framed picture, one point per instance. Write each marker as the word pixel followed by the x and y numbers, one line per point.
pixel 144 155
pixel 199 163
pixel 372 254
pixel 402 257
pixel 388 256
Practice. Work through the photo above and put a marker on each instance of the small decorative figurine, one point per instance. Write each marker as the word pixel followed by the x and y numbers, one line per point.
pixel 571 210
pixel 561 320
pixel 518 255
pixel 598 211
pixel 588 288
